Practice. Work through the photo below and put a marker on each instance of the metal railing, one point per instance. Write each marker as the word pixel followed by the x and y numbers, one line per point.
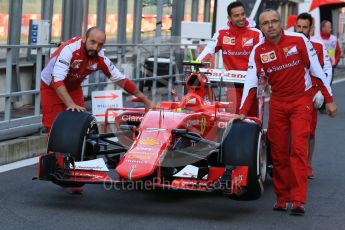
pixel 10 125
pixel 14 125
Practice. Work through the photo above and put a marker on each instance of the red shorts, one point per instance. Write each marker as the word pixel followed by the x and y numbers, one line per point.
pixel 52 105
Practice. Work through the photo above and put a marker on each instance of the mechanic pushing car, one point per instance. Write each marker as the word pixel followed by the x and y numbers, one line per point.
pixel 69 65
pixel 286 59
pixel 304 25
pixel 236 43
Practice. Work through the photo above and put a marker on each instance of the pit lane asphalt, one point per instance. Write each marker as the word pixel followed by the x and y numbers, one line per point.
pixel 27 204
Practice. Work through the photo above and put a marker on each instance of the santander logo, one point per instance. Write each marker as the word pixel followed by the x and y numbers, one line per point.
pixel 284 66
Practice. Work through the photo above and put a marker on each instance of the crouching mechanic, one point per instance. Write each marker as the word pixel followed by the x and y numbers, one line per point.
pixel 69 65
pixel 304 25
pixel 235 42
pixel 286 58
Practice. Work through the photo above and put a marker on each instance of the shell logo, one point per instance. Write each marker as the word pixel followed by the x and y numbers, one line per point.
pixel 264 58
pixel 149 141
pixel 229 40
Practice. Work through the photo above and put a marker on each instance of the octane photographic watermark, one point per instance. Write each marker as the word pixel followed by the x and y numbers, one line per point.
pixel 138 185
pixel 161 184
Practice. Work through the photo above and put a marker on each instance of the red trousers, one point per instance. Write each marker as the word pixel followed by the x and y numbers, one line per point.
pixel 290 162
pixel 234 95
pixel 52 105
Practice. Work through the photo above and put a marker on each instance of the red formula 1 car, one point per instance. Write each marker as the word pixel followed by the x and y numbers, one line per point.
pixel 190 144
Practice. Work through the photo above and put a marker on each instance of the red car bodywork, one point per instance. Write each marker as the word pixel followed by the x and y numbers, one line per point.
pixel 152 137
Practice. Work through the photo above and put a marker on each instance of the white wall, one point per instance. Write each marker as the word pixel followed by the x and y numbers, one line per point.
pixel 221 22
pixel 222 14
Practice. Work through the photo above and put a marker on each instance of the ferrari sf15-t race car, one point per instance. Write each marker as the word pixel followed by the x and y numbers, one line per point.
pixel 190 144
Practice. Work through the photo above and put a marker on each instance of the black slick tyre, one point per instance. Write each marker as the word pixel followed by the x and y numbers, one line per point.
pixel 243 145
pixel 69 134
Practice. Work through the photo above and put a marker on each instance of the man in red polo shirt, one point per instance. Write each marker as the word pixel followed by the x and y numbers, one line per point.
pixel 286 58
pixel 235 42
pixel 69 65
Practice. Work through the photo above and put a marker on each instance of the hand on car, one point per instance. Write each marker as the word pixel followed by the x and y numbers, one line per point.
pixel 239 117
pixel 150 105
pixel 75 107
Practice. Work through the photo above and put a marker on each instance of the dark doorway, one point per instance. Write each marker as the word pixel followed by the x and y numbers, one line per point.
pixel 326 11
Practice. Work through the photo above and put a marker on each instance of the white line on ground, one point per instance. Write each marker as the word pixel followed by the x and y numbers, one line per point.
pixel 32 161
pixel 338 80
pixel 18 164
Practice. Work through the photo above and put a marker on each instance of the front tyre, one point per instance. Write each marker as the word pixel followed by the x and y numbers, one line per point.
pixel 69 134
pixel 243 145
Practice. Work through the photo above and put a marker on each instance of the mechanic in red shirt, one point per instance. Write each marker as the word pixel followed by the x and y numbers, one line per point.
pixel 69 65
pixel 236 42
pixel 304 25
pixel 286 58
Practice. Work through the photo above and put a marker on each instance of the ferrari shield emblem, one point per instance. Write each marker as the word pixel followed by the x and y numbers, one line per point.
pixel 247 41
pixel 290 50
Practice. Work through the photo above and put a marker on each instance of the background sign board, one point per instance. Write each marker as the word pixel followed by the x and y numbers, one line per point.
pixel 102 100
pixel 39 34
pixel 230 76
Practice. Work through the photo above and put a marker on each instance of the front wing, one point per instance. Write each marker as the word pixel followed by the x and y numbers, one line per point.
pixel 60 169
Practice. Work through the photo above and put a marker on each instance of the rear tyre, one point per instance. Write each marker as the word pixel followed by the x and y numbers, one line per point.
pixel 243 145
pixel 69 134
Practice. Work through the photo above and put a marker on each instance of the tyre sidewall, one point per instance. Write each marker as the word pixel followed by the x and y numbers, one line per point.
pixel 69 131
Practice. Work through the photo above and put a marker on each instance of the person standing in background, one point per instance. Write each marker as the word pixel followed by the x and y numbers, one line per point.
pixel 304 25
pixel 330 41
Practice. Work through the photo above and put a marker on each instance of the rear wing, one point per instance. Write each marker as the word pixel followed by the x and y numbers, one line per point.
pixel 226 76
